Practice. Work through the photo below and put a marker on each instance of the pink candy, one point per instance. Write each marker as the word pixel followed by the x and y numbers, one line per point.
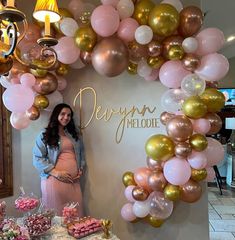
pixel 69 214
pixel 26 203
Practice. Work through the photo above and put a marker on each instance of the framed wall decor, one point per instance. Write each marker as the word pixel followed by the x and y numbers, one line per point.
pixel 6 170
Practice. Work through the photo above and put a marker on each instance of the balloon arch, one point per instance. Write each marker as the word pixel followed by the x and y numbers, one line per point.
pixel 155 41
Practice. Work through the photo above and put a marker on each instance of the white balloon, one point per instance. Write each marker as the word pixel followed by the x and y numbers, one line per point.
pixel 190 44
pixel 175 3
pixel 141 208
pixel 68 26
pixel 4 82
pixel 54 99
pixel 173 99
pixel 193 85
pixel 143 69
pixel 125 8
pixel 143 34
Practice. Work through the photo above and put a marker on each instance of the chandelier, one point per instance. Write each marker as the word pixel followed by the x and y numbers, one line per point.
pixel 45 11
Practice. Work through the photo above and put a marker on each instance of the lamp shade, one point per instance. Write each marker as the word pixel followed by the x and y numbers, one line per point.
pixel 46 7
pixel 230 123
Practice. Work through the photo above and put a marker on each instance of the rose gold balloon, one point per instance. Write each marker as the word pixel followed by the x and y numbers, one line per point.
pixel 154 164
pixel 191 61
pixel 157 181
pixel 175 40
pixel 165 117
pixel 137 51
pixel 85 57
pixel 139 193
pixel 18 69
pixel 182 150
pixel 215 122
pixel 33 113
pixel 213 84
pixel 154 48
pixel 191 19
pixel 179 128
pixel 190 191
pixel 46 85
pixel 110 57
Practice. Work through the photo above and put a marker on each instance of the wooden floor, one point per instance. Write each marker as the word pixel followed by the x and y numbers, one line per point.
pixel 221 213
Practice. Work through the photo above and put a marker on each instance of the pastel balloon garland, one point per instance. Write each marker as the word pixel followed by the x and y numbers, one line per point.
pixel 156 41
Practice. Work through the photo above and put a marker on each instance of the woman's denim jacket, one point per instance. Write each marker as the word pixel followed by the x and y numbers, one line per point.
pixel 45 157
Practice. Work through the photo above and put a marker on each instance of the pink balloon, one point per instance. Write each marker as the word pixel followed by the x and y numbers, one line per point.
pixel 126 30
pixel 172 73
pixel 141 176
pixel 18 98
pixel 27 79
pixel 67 51
pixel 210 174
pixel 177 171
pixel 197 160
pixel 105 20
pixel 15 80
pixel 62 83
pixel 153 76
pixel 110 2
pixel 127 212
pixel 19 120
pixel 201 125
pixel 210 40
pixel 128 193
pixel 213 67
pixel 214 152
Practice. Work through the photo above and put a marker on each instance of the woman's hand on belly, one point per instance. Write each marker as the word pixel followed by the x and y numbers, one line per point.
pixel 79 174
pixel 62 176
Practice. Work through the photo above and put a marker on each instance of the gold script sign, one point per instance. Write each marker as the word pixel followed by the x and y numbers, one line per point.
pixel 133 117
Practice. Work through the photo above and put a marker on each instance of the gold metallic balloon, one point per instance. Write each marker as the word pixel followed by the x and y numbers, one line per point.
pixel 160 147
pixel 42 63
pixel 38 72
pixel 198 174
pixel 154 222
pixel 64 12
pixel 165 117
pixel 191 61
pixel 33 113
pixel 139 193
pixel 215 122
pixel 172 192
pixel 198 142
pixel 191 19
pixel 41 102
pixel 155 62
pixel 85 38
pixel 62 70
pixel 132 68
pixel 128 179
pixel 163 19
pixel 175 40
pixel 5 64
pixel 182 149
pixel 154 48
pixel 175 53
pixel 194 107
pixel 85 57
pixel 179 128
pixel 142 10
pixel 190 191
pixel 46 85
pixel 213 99
pixel 157 181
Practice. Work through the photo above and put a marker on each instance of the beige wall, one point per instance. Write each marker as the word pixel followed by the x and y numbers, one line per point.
pixel 107 161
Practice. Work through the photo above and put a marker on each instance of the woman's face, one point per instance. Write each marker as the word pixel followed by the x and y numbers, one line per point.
pixel 64 117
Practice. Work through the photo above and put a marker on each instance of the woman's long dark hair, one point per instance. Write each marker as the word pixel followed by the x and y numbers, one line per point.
pixel 51 135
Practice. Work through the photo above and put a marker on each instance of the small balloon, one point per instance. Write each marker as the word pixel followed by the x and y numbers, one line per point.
pixel 182 150
pixel 139 193
pixel 157 181
pixel 85 57
pixel 198 174
pixel 128 179
pixel 33 113
pixel 155 62
pixel 165 117
pixel 191 61
pixel 198 142
pixel 38 72
pixel 154 222
pixel 175 53
pixel 190 192
pixel 132 68
pixel 172 192
pixel 46 85
pixel 153 164
pixel 41 102
pixel 62 70
pixel 154 48
pixel 215 123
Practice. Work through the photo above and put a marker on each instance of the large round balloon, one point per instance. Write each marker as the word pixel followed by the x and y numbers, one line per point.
pixel 163 19
pixel 110 57
pixel 159 147
pixel 46 85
